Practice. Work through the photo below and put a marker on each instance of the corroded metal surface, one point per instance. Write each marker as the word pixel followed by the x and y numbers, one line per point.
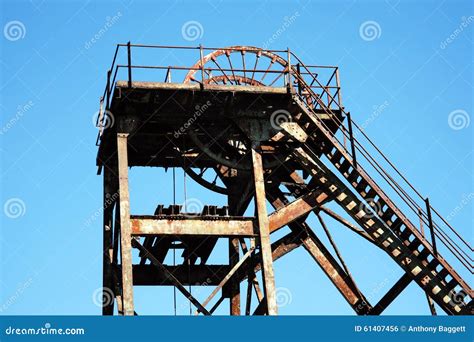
pixel 125 228
pixel 149 225
pixel 254 124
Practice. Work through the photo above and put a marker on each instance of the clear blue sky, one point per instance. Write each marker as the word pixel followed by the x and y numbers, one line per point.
pixel 51 80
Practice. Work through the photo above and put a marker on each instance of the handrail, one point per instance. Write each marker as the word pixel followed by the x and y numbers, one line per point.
pixel 455 252
pixel 185 47
pixel 370 157
pixel 129 45
pixel 328 99
pixel 446 238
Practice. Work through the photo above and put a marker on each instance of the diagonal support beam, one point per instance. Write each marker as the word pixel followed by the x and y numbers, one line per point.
pixel 179 286
pixel 219 301
pixel 280 248
pixel 391 294
pixel 261 308
pixel 337 276
pixel 226 278
pixel 296 209
pixel 346 223
pixel 387 301
pixel 323 257
pixel 338 253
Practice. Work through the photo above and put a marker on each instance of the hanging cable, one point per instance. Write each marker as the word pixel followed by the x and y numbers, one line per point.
pixel 185 210
pixel 174 245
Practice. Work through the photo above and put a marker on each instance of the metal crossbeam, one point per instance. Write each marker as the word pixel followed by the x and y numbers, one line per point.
pixel 149 225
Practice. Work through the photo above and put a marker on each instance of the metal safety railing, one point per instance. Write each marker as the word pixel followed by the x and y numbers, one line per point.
pixel 203 70
pixel 318 86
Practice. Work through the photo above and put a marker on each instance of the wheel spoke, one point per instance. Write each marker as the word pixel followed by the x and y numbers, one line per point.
pixel 231 67
pixel 255 66
pixel 242 53
pixel 218 66
pixel 215 179
pixel 268 69
pixel 277 78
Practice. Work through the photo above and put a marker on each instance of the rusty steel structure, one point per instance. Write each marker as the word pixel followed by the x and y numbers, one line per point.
pixel 257 125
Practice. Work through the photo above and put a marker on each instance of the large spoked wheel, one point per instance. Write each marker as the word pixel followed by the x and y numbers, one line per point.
pixel 242 66
pixel 239 65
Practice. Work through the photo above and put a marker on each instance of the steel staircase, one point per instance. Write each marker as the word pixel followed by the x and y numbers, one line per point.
pixel 390 228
